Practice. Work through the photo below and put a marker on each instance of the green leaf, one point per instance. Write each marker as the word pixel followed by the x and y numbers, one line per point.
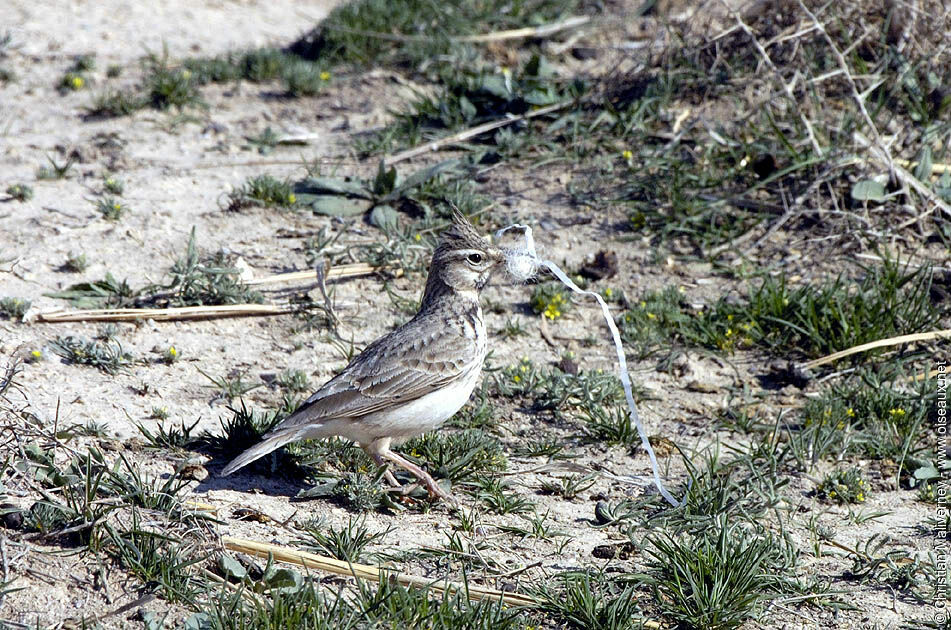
pixel 321 490
pixel 868 190
pixel 198 621
pixel 384 217
pixel 495 85
pixel 231 568
pixel 468 110
pixel 331 186
pixel 336 206
pixel 287 580
pixel 927 473
pixel 107 291
pixel 925 165
pixel 385 181
pixel 420 177
pixel 153 621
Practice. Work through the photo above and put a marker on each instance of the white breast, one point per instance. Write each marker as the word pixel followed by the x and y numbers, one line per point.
pixel 415 417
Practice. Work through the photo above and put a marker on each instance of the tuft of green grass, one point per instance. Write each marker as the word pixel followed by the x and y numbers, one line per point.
pixel 14 308
pixel 815 320
pixel 56 170
pixel 347 543
pixel 238 433
pixel 591 602
pixel 106 356
pixel 166 87
pixel 872 414
pixel 231 386
pixel 113 102
pixel 498 495
pixel 351 34
pixel 20 192
pixel 610 425
pixel 113 185
pixel 712 580
pixel 75 263
pixel 196 280
pixel 457 456
pixel 168 437
pixel 568 487
pixel 111 208
pixel 262 190
pixel 107 292
pixel 294 381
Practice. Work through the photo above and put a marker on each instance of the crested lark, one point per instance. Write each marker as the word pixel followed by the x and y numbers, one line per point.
pixel 411 380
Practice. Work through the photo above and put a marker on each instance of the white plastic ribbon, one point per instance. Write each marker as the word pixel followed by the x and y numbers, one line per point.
pixel 523 264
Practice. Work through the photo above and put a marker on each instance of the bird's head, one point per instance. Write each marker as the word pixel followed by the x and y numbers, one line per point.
pixel 464 259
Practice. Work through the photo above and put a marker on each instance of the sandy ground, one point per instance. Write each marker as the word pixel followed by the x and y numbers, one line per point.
pixel 175 180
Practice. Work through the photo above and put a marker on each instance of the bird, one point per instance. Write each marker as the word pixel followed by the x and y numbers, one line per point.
pixel 412 379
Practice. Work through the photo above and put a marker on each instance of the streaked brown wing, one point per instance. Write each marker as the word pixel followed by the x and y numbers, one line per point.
pixel 397 368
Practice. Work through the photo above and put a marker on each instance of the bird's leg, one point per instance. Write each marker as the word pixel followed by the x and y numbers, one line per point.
pixel 387 474
pixel 422 475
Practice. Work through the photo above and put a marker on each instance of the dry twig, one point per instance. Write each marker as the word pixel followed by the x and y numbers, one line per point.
pixel 881 343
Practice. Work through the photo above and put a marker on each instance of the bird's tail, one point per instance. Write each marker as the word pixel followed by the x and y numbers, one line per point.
pixel 268 444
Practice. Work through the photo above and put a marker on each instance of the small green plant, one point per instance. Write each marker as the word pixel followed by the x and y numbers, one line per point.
pixel 610 425
pixel 167 87
pixel 113 185
pixel 589 601
pixel 56 170
pixel 113 102
pixel 20 192
pixel 72 82
pixel 347 543
pixel 231 386
pixel 513 329
pixel 108 357
pixel 304 78
pixel 568 487
pixel 294 381
pixel 196 280
pixel 458 455
pixel 14 308
pixel 170 355
pixel 361 491
pixel 111 208
pixel 238 433
pixel 75 263
pixel 712 580
pixel 550 300
pixel 84 63
pixel 263 190
pixel 872 414
pixel 498 496
pixel 168 437
pixel 843 486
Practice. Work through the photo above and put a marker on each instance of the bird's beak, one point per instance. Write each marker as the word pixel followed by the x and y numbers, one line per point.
pixel 497 255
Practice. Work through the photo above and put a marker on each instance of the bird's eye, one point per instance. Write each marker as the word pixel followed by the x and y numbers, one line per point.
pixel 474 258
